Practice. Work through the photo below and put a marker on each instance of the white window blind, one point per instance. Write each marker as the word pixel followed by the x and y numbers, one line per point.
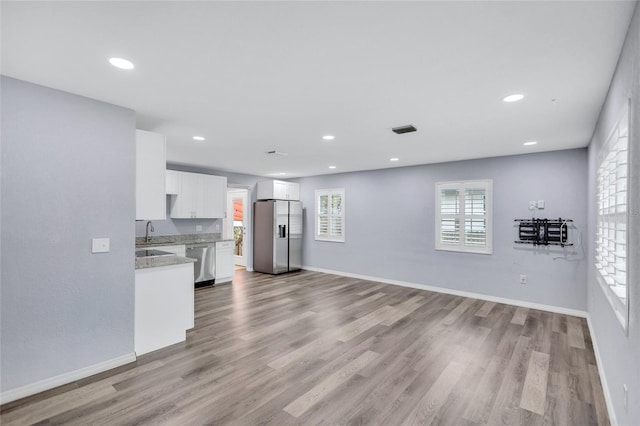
pixel 330 214
pixel 463 216
pixel 611 236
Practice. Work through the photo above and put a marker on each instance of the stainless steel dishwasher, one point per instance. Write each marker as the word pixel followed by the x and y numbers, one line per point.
pixel 204 269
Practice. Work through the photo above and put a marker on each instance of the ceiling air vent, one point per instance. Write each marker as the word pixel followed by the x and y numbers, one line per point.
pixel 274 152
pixel 404 129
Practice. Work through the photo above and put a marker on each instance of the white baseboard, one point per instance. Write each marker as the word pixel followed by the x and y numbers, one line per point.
pixel 531 305
pixel 63 379
pixel 603 378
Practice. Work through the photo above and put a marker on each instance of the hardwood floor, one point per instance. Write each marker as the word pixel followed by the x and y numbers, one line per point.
pixel 311 348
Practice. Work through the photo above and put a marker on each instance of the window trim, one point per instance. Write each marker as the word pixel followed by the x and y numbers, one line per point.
pixel 330 192
pixel 620 309
pixel 487 184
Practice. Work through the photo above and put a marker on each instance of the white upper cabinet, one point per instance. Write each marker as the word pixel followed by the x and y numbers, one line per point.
pixel 151 162
pixel 215 201
pixel 278 190
pixel 293 191
pixel 173 182
pixel 197 196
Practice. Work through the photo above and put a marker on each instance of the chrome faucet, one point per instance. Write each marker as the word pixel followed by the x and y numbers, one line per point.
pixel 147 238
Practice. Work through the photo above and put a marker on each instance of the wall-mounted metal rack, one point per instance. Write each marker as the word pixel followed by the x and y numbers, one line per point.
pixel 543 232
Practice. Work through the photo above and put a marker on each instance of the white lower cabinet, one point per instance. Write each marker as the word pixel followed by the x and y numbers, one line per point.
pixel 163 306
pixel 224 261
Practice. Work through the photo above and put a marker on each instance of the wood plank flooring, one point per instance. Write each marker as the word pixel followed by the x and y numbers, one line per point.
pixel 311 348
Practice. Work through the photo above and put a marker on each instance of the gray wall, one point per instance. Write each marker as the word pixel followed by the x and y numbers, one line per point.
pixel 620 353
pixel 390 227
pixel 68 175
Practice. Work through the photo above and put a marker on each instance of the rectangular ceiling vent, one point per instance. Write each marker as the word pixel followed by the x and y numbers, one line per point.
pixel 404 129
pixel 274 152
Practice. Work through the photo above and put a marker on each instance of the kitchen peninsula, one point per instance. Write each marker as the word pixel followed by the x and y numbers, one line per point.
pixel 164 307
pixel 214 265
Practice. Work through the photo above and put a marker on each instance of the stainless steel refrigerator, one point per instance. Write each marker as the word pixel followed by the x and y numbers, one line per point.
pixel 277 236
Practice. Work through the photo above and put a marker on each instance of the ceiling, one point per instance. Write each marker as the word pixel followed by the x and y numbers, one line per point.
pixel 258 76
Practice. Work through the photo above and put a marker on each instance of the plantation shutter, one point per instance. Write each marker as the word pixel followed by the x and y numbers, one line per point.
pixel 611 233
pixel 463 216
pixel 330 218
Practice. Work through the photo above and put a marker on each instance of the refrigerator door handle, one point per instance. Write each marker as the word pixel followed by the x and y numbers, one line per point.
pixel 282 231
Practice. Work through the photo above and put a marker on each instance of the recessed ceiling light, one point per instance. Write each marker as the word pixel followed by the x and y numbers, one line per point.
pixel 121 63
pixel 282 173
pixel 198 138
pixel 328 137
pixel 530 143
pixel 394 159
pixel 332 167
pixel 513 98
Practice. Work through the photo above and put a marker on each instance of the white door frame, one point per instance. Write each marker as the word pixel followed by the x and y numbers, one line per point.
pixel 232 192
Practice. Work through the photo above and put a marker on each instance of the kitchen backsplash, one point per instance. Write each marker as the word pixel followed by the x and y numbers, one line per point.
pixel 180 226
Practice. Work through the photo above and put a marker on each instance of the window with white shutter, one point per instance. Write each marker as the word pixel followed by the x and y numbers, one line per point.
pixel 463 216
pixel 612 218
pixel 330 214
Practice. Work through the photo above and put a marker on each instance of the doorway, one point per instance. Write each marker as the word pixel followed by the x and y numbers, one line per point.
pixel 238 220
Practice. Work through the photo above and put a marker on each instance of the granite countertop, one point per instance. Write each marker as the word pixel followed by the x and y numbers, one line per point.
pixel 170 240
pixel 157 261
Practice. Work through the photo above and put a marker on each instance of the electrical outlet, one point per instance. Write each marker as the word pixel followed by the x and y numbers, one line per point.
pixel 217 227
pixel 626 398
pixel 523 279
pixel 533 205
pixel 540 204
pixel 100 245
pixel 198 228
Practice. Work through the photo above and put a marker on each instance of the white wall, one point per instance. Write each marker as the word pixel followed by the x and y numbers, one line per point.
pixel 68 175
pixel 390 227
pixel 619 351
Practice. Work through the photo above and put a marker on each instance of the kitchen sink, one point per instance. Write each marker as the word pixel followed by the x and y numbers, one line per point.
pixel 153 253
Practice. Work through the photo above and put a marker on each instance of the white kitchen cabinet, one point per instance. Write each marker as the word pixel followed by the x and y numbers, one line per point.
pixel 224 261
pixel 184 205
pixel 199 196
pixel 151 162
pixel 163 306
pixel 278 190
pixel 215 201
pixel 293 191
pixel 172 182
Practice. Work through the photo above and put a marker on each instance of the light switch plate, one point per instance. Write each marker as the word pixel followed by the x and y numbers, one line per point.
pixel 100 245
